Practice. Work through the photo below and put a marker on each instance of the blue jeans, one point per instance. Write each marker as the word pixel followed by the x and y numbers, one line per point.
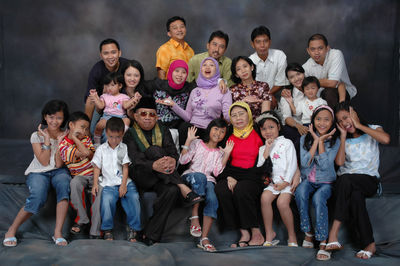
pixel 95 119
pixel 39 185
pixel 130 203
pixel 320 194
pixel 201 186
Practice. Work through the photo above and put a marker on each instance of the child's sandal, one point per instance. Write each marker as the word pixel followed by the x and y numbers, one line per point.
pixel 306 243
pixel 207 247
pixel 108 235
pixel 193 198
pixel 195 230
pixel 132 235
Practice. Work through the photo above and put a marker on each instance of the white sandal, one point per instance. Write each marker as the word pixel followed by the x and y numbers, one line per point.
pixel 362 253
pixel 195 230
pixel 206 247
pixel 325 253
pixel 308 244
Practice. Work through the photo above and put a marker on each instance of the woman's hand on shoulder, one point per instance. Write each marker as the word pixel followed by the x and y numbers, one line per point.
pixel 252 99
pixel 286 93
pixel 222 86
pixel 168 102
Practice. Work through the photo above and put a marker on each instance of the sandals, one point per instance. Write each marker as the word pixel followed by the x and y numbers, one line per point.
pixel 292 244
pixel 206 247
pixel 271 243
pixel 108 235
pixel 195 230
pixel 81 228
pixel 306 243
pixel 246 244
pixel 363 253
pixel 59 241
pixel 132 235
pixel 327 255
pixel 332 246
pixel 193 198
pixel 13 241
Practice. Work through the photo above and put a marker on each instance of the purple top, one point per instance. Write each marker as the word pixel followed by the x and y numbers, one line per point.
pixel 204 105
pixel 210 83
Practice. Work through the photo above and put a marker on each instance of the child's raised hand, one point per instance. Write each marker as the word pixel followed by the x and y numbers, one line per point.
pixel 328 135
pixel 343 131
pixel 311 130
pixel 95 190
pixel 62 135
pixel 191 134
pixel 43 132
pixel 354 117
pixel 228 147
pixel 281 185
pixel 122 190
pixel 167 102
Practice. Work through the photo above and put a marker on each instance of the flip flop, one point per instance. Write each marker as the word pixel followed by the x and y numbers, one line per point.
pixel 325 253
pixel 12 239
pixel 59 240
pixel 332 246
pixel 271 243
pixel 362 253
pixel 292 244
pixel 241 242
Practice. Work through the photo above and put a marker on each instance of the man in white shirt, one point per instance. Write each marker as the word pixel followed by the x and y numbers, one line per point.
pixel 329 67
pixel 270 63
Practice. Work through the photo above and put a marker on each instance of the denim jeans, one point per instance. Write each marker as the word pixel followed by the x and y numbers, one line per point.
pixel 130 203
pixel 320 192
pixel 95 119
pixel 201 186
pixel 39 185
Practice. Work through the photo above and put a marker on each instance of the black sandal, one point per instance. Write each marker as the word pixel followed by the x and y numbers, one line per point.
pixel 132 235
pixel 193 198
pixel 246 244
pixel 108 235
pixel 81 228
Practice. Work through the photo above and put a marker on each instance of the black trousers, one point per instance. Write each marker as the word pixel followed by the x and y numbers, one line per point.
pixel 167 194
pixel 351 191
pixel 239 209
pixel 331 96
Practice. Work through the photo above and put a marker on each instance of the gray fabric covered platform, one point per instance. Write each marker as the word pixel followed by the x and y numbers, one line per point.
pixel 178 248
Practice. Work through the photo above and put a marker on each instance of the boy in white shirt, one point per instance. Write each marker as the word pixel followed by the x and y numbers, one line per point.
pixel 307 105
pixel 111 159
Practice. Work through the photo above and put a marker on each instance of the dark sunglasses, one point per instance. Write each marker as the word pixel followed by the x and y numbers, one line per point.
pixel 151 114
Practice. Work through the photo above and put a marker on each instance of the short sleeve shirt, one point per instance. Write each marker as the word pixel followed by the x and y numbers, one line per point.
pixel 113 104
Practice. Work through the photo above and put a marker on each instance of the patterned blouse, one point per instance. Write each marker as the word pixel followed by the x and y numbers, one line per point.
pixel 258 88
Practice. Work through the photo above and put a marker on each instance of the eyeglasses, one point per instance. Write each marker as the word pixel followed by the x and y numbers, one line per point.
pixel 151 114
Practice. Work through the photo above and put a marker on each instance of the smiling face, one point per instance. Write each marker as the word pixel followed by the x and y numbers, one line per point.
pixel 311 90
pixel 323 122
pixel 216 48
pixel 146 118
pixel 208 69
pixel 217 134
pixel 239 117
pixel 295 78
pixel 179 75
pixel 270 129
pixel 317 51
pixel 54 121
pixel 244 70
pixel 261 44
pixel 110 56
pixel 177 30
pixel 344 120
pixel 132 77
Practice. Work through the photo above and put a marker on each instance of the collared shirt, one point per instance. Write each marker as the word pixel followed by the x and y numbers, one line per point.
pixel 271 70
pixel 284 107
pixel 76 165
pixel 110 162
pixel 334 68
pixel 171 51
pixel 223 62
pixel 306 107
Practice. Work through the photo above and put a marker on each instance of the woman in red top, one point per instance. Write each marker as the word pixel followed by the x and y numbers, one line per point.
pixel 240 184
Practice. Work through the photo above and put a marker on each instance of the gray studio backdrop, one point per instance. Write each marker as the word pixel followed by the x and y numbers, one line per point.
pixel 48 47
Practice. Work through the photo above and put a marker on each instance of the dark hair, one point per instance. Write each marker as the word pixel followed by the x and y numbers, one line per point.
pixel 233 68
pixel 219 34
pixel 78 115
pixel 115 124
pixel 308 80
pixel 260 30
pixel 115 77
pixel 109 41
pixel 345 106
pixel 53 107
pixel 294 67
pixel 218 122
pixel 173 19
pixel 318 36
pixel 308 141
pixel 260 123
pixel 135 64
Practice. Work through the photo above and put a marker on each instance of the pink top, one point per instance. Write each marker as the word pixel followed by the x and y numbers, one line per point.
pixel 204 160
pixel 113 104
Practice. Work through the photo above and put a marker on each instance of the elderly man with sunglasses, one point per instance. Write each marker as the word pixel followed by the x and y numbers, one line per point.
pixel 154 156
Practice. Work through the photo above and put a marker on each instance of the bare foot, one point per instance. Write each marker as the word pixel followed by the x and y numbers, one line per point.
pixel 257 239
pixel 270 236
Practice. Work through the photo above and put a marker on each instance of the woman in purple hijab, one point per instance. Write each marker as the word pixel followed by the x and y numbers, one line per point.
pixel 206 102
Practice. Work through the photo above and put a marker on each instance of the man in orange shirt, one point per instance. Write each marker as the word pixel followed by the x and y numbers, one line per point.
pixel 176 48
